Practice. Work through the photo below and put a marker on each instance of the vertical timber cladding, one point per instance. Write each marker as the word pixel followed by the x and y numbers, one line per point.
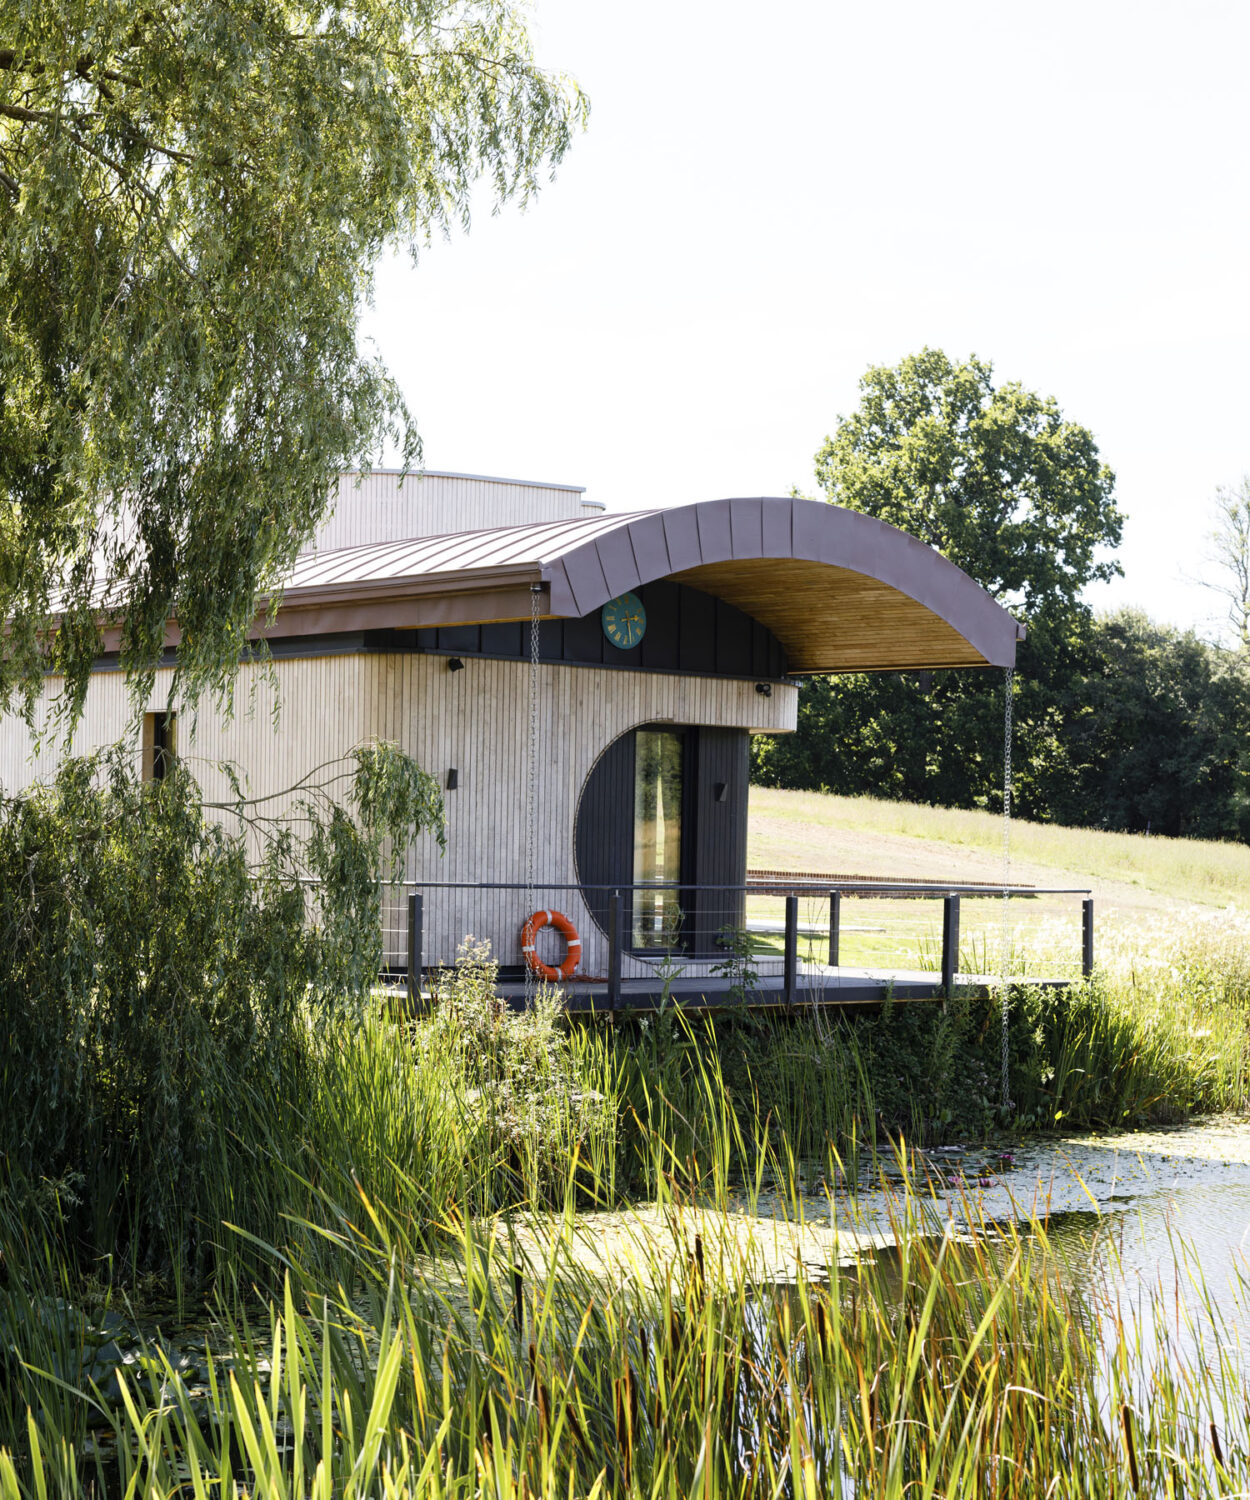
pixel 714 832
pixel 475 719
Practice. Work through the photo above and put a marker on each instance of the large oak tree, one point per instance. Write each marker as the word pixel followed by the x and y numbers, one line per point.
pixel 193 197
pixel 996 478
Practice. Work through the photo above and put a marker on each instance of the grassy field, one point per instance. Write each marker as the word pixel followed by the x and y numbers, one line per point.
pixel 860 835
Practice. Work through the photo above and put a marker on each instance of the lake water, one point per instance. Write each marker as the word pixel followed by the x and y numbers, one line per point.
pixel 1130 1214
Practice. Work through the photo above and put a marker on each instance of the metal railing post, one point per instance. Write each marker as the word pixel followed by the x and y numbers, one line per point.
pixel 614 951
pixel 950 943
pixel 415 937
pixel 1087 937
pixel 835 927
pixel 792 949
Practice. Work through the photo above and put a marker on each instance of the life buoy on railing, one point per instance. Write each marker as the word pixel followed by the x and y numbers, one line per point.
pixel 563 926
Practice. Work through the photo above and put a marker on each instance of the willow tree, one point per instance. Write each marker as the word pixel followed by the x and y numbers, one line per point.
pixel 194 196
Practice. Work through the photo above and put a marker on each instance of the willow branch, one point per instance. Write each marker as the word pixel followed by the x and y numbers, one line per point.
pixel 84 67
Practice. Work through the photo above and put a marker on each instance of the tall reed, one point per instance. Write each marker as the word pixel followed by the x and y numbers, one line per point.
pixel 521 1361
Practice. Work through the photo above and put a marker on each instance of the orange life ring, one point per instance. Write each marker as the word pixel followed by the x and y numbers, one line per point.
pixel 562 925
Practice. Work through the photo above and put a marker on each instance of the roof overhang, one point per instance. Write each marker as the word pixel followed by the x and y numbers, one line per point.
pixel 841 591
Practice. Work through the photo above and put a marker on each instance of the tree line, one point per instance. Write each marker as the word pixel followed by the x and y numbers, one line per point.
pixel 1120 722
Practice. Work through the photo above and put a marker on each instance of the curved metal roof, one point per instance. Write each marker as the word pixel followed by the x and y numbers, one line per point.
pixel 840 590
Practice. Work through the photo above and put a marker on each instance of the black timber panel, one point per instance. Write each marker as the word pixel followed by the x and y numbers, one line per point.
pixel 688 631
pixel 584 640
pixel 733 637
pixel 718 836
pixel 661 646
pixel 503 639
pixel 698 632
pixel 603 836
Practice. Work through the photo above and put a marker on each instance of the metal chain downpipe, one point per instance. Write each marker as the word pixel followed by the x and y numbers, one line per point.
pixel 1005 955
pixel 531 794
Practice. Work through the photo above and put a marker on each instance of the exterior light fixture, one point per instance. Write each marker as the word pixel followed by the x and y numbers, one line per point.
pixel 454 664
pixel 764 689
pixel 720 791
pixel 453 779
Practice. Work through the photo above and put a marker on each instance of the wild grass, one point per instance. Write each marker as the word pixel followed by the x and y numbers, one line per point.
pixel 513 1365
pixel 407 1296
pixel 1190 869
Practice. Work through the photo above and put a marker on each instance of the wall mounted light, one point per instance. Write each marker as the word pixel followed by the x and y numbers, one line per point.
pixel 454 664
pixel 453 779
pixel 764 689
pixel 720 791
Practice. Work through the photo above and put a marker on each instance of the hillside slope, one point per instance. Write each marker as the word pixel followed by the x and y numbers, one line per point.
pixel 863 836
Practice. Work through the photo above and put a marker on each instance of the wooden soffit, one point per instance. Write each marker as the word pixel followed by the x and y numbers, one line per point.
pixel 841 591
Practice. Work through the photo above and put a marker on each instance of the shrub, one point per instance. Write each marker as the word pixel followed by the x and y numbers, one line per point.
pixel 518 1080
pixel 156 960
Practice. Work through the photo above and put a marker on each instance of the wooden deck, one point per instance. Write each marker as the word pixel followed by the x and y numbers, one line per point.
pixel 837 989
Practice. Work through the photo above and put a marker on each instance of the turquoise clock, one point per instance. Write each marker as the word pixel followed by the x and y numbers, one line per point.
pixel 624 621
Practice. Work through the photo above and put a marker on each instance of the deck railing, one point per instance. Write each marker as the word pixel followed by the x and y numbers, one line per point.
pixel 782 935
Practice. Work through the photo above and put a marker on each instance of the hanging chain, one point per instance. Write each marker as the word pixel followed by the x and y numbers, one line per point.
pixel 531 795
pixel 1005 955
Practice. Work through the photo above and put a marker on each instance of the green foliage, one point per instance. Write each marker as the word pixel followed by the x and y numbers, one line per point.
pixel 992 476
pixel 996 479
pixel 516 1080
pixel 158 965
pixel 195 200
pixel 738 966
pixel 642 1352
pixel 1155 734
pixel 670 1352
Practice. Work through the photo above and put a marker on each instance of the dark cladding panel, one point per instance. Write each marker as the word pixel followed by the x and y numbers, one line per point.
pixel 502 640
pixel 583 639
pixel 661 646
pixel 733 639
pixel 759 650
pixel 687 631
pixel 613 656
pixel 550 640
pixel 719 844
pixel 604 835
pixel 456 638
pixel 698 632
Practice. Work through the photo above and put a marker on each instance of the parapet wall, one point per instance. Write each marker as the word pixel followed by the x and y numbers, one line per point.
pixel 383 507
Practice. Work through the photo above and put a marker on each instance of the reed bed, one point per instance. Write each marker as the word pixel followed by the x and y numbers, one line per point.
pixel 951 1364
pixel 480 1254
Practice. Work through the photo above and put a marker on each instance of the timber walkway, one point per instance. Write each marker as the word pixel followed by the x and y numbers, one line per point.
pixel 783 940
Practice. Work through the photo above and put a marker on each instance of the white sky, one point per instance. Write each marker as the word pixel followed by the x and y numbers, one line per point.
pixel 770 199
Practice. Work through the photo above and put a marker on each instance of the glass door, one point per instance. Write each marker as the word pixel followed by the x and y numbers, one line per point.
pixel 658 757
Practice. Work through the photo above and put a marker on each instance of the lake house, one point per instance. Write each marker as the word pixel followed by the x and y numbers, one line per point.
pixel 584 684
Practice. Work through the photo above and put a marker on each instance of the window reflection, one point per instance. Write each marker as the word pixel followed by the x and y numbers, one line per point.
pixel 657 836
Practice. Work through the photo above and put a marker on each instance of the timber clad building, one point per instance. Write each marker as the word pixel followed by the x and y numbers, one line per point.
pixel 664 639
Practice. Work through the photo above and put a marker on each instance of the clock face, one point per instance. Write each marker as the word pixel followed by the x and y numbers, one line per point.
pixel 624 621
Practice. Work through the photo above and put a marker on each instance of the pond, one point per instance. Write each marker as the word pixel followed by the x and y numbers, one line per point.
pixel 1126 1212
pixel 1129 1215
